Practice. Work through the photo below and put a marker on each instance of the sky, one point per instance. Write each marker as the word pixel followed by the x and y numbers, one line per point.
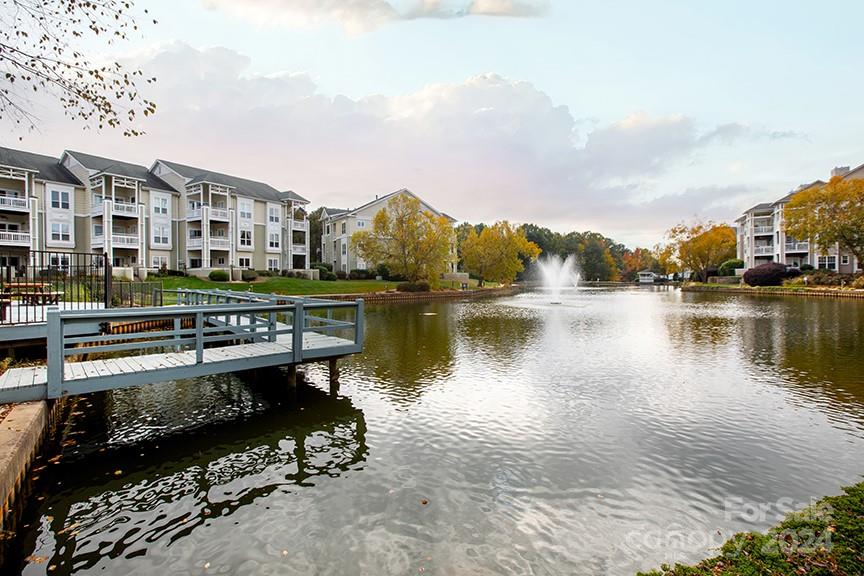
pixel 624 117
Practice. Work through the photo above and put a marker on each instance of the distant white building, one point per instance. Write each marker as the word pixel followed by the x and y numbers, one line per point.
pixel 647 277
pixel 762 237
pixel 340 224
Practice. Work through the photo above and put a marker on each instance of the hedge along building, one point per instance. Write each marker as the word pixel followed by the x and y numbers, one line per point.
pixel 42 207
pixel 339 225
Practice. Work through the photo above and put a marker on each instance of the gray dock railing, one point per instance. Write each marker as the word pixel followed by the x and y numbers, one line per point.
pixel 210 317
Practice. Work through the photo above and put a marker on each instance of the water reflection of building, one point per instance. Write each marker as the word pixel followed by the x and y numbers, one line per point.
pixel 169 485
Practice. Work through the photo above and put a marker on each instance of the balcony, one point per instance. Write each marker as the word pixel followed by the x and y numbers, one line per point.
pixel 763 229
pixel 126 209
pixel 763 250
pixel 797 247
pixel 14 203
pixel 15 238
pixel 298 249
pixel 220 244
pixel 118 240
pixel 219 214
pixel 193 214
pixel 194 243
pixel 301 225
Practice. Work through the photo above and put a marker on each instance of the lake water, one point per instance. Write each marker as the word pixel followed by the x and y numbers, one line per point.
pixel 617 431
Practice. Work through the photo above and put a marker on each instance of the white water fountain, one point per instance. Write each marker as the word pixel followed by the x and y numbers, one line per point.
pixel 558 274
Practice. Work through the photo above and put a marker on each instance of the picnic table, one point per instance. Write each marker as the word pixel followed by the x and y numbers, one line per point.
pixel 30 294
pixel 40 298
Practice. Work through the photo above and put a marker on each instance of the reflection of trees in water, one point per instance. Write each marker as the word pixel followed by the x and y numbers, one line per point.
pixel 498 331
pixel 815 344
pixel 408 346
pixel 170 485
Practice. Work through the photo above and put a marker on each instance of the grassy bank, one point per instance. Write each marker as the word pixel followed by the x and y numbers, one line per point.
pixel 824 539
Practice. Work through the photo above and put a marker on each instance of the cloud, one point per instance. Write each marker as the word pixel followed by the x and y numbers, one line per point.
pixel 484 149
pixel 733 132
pixel 364 15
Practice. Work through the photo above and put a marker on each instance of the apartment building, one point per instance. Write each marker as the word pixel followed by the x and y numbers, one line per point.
pixel 170 214
pixel 762 237
pixel 40 206
pixel 340 224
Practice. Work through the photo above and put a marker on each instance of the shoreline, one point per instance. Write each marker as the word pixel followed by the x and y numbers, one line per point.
pixel 777 291
pixel 393 297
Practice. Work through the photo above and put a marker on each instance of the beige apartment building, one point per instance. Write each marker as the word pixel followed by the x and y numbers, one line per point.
pixel 339 225
pixel 762 237
pixel 169 215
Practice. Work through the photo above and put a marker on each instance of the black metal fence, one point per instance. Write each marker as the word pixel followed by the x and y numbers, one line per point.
pixel 33 280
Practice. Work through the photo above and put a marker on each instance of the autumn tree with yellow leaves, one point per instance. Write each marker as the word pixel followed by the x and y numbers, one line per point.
pixel 828 215
pixel 700 247
pixel 496 253
pixel 410 241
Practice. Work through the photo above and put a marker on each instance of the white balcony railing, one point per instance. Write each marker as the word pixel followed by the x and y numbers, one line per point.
pixel 218 214
pixel 763 251
pixel 14 203
pixel 220 244
pixel 193 213
pixel 797 247
pixel 194 243
pixel 125 209
pixel 14 238
pixel 301 225
pixel 118 240
pixel 299 249
pixel 763 230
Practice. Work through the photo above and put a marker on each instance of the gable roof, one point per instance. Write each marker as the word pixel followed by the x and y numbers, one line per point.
pixel 113 167
pixel 46 167
pixel 337 212
pixel 242 186
pixel 291 195
pixel 333 212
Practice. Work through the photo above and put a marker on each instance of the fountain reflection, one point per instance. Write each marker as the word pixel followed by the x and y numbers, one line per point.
pixel 558 274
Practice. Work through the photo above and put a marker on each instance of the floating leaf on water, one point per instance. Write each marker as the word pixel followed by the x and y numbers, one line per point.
pixel 424 501
pixel 68 528
pixel 36 559
pixel 118 472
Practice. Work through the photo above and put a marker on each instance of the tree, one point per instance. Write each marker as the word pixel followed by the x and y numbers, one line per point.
pixel 494 254
pixel 411 242
pixel 701 247
pixel 316 230
pixel 828 215
pixel 634 261
pixel 37 55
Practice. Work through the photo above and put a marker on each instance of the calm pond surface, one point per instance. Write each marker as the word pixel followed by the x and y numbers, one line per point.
pixel 614 432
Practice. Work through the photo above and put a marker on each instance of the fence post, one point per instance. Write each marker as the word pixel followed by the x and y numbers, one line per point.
pixel 271 326
pixel 199 337
pixel 178 325
pixel 108 279
pixel 299 321
pixel 359 323
pixel 55 352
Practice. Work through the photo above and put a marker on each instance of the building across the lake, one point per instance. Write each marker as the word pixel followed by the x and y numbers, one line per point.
pixel 762 237
pixel 340 224
pixel 168 215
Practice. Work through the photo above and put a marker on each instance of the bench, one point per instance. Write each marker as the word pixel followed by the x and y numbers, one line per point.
pixel 39 298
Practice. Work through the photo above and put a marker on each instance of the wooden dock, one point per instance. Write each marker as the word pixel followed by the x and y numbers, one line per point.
pixel 240 332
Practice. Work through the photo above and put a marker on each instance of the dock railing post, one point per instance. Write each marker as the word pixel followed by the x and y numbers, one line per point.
pixel 359 324
pixel 199 337
pixel 299 321
pixel 271 326
pixel 55 352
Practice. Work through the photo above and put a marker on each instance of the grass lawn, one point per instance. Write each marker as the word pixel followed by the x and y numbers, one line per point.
pixel 824 539
pixel 280 285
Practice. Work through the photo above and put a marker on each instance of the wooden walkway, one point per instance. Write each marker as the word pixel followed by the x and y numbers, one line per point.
pixel 224 338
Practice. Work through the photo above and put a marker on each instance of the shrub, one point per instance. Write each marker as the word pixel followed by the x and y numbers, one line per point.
pixel 249 275
pixel 341 274
pixel 829 278
pixel 806 268
pixel 218 275
pixel 320 265
pixel 729 266
pixel 383 271
pixel 858 283
pixel 420 286
pixel 265 273
pixel 770 274
pixel 327 275
pixel 359 275
pixel 287 273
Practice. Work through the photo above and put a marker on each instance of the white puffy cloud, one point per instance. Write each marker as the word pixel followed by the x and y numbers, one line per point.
pixel 364 15
pixel 485 149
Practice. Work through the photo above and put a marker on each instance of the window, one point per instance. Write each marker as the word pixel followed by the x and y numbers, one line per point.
pixel 245 238
pixel 195 262
pixel 160 235
pixel 827 262
pixel 246 209
pixel 844 260
pixel 160 205
pixel 60 262
pixel 244 262
pixel 274 240
pixel 220 261
pixel 344 229
pixel 273 214
pixel 193 233
pixel 327 229
pixel 98 230
pixel 60 199
pixel 273 264
pixel 344 249
pixel 361 224
pixel 60 232
pixel 160 262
